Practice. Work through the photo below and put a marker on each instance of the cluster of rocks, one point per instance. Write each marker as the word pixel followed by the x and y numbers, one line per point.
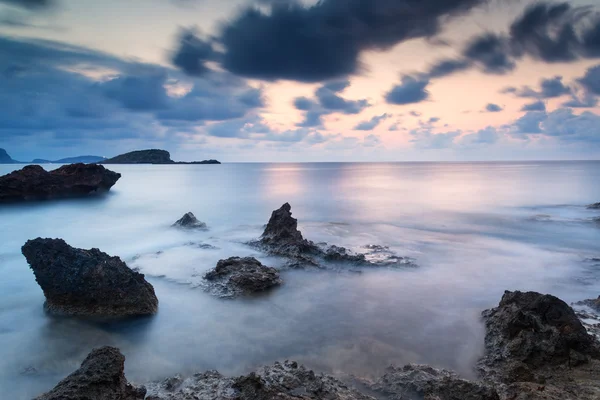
pixel 75 180
pixel 87 282
pixel 281 237
pixel 536 348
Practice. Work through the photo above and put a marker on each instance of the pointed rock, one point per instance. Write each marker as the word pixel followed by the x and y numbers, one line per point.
pixel 189 221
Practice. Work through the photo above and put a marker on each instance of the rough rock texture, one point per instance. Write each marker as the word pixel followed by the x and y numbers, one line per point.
pixel 281 237
pixel 236 275
pixel 592 303
pixel 287 381
pixel 35 183
pixel 189 221
pixel 424 382
pixel 595 206
pixel 87 282
pixel 100 377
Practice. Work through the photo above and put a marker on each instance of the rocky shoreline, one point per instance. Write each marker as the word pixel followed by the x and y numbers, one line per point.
pixel 536 348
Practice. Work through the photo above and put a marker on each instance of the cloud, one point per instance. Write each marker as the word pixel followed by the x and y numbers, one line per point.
pixel 535 106
pixel 411 90
pixel 549 88
pixel 491 52
pixel 30 4
pixel 529 123
pixel 424 138
pixel 591 80
pixel 372 123
pixel 567 126
pixel 491 107
pixel 193 53
pixel 371 141
pixel 322 41
pixel 447 67
pixel 328 101
pixel 487 136
pixel 433 120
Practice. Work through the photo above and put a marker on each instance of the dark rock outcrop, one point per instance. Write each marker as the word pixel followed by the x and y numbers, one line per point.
pixel 595 206
pixel 281 237
pixel 35 183
pixel 100 377
pixel 5 158
pixel 189 221
pixel 425 382
pixel 282 381
pixel 153 156
pixel 87 282
pixel 592 303
pixel 236 275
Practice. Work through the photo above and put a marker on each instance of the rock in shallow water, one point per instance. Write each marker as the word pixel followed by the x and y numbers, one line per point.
pixel 87 282
pixel 595 206
pixel 35 183
pixel 236 275
pixel 100 377
pixel 189 221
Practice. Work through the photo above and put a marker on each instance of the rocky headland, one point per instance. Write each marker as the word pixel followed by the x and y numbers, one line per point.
pixel 75 180
pixel 152 156
pixel 87 282
pixel 595 206
pixel 281 237
pixel 535 348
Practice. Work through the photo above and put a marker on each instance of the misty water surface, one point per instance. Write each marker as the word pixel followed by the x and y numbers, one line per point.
pixel 474 229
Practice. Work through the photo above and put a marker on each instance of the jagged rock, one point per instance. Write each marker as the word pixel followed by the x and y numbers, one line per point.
pixel 87 282
pixel 428 383
pixel 189 221
pixel 287 381
pixel 100 377
pixel 530 334
pixel 592 303
pixel 35 183
pixel 281 237
pixel 595 206
pixel 246 275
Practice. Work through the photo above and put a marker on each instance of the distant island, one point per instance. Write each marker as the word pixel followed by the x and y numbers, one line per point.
pixel 5 158
pixel 153 156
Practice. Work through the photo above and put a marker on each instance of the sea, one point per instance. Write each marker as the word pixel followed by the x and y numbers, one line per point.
pixel 470 230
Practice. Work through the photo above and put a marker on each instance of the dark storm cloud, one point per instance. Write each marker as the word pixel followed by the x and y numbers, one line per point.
pixel 491 52
pixel 46 90
pixel 535 106
pixel 328 101
pixel 324 40
pixel 591 80
pixel 372 123
pixel 193 53
pixel 491 107
pixel 412 89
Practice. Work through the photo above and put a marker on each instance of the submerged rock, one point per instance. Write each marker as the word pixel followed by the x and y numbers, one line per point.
pixel 35 183
pixel 87 282
pixel 189 221
pixel 246 275
pixel 100 377
pixel 285 381
pixel 425 382
pixel 281 237
pixel 595 206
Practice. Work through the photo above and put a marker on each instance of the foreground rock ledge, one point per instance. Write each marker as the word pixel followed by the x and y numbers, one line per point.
pixel 87 282
pixel 100 377
pixel 35 183
pixel 237 276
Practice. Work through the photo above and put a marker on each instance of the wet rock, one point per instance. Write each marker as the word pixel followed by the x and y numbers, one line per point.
pixel 74 180
pixel 338 253
pixel 284 381
pixel 595 206
pixel 530 335
pixel 594 304
pixel 189 221
pixel 100 377
pixel 428 383
pixel 87 282
pixel 235 276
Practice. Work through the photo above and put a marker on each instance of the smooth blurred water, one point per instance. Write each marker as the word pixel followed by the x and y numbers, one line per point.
pixel 474 229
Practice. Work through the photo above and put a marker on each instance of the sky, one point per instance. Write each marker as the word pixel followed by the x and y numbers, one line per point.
pixel 301 80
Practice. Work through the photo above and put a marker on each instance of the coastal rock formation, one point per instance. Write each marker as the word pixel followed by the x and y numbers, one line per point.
pixel 595 206
pixel 100 377
pixel 153 156
pixel 425 382
pixel 281 237
pixel 246 275
pixel 282 381
pixel 35 183
pixel 87 282
pixel 5 158
pixel 592 303
pixel 189 221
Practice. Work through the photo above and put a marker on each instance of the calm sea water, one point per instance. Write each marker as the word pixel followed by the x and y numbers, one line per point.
pixel 474 229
